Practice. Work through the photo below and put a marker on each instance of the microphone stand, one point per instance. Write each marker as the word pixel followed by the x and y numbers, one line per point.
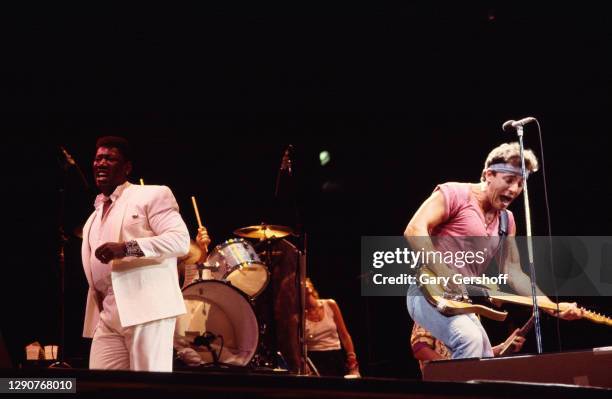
pixel 300 275
pixel 536 310
pixel 66 162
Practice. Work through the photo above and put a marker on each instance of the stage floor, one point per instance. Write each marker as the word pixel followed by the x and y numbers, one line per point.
pixel 215 384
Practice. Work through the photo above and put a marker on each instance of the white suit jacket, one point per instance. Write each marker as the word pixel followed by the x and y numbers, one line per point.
pixel 145 288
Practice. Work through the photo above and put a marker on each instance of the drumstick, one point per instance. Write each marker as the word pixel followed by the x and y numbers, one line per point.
pixel 141 182
pixel 197 213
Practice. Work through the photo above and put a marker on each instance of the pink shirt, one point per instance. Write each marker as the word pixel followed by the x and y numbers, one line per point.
pixel 464 218
pixel 100 233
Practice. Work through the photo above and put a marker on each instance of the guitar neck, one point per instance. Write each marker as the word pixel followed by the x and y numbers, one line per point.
pixel 524 300
pixel 548 305
pixel 526 327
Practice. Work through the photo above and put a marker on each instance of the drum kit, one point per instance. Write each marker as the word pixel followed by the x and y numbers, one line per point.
pixel 225 324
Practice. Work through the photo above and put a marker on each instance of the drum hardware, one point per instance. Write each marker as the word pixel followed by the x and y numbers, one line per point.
pixel 266 359
pixel 313 369
pixel 281 362
pixel 267 252
pixel 262 358
pixel 274 253
pixel 205 340
pixel 203 266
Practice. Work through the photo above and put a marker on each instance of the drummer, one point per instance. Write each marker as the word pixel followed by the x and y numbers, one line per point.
pixel 197 254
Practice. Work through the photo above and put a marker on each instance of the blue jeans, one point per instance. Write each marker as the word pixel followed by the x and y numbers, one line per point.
pixel 463 335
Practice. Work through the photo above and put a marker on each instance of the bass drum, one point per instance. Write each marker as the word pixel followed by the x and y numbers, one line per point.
pixel 219 319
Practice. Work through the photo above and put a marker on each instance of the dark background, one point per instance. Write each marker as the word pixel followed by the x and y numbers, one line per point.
pixel 403 97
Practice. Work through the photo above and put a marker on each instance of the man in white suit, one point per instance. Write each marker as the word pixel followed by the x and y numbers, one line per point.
pixel 130 245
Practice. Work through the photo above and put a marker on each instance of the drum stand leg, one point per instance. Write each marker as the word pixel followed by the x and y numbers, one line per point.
pixel 263 357
pixel 313 369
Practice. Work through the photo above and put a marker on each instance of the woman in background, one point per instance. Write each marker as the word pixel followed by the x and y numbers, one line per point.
pixel 329 343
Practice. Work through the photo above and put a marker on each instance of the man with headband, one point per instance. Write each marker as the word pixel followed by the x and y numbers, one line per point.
pixel 459 210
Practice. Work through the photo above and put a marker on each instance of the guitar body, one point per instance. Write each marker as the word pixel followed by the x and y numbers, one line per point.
pixel 454 308
pixel 448 306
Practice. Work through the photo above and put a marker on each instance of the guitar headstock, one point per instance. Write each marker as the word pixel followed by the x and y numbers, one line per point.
pixel 596 317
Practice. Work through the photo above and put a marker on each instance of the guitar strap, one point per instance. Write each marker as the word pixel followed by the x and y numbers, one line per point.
pixel 503 233
pixel 503 223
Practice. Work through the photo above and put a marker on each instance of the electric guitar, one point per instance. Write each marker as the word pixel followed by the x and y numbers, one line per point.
pixel 451 304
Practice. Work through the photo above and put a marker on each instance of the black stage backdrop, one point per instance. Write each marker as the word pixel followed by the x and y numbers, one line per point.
pixel 402 98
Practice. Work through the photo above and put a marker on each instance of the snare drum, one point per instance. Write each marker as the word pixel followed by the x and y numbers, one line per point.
pixel 236 261
pixel 220 316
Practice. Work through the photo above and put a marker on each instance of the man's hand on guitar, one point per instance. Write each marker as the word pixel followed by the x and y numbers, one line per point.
pixel 451 287
pixel 456 290
pixel 568 311
pixel 515 342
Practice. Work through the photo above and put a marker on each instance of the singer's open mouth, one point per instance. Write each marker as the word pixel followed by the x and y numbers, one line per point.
pixel 102 175
pixel 505 199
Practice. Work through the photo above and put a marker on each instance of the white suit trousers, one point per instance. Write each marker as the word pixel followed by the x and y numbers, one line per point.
pixel 143 347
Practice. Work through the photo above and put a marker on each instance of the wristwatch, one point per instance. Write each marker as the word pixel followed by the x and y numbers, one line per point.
pixel 132 249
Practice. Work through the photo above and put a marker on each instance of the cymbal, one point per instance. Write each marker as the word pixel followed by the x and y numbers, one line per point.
pixel 263 231
pixel 194 255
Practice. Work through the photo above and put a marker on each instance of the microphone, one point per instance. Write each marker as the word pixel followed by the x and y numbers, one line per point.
pixel 510 125
pixel 69 158
pixel 286 161
pixel 285 166
pixel 70 161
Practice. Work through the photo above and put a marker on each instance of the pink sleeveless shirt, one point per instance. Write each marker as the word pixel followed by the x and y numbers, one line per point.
pixel 464 218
